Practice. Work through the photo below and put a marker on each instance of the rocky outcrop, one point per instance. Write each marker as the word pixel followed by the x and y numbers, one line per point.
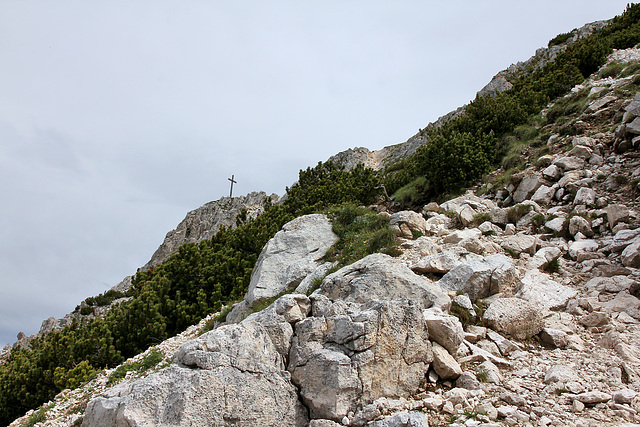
pixel 291 255
pixel 380 276
pixel 233 375
pixel 204 222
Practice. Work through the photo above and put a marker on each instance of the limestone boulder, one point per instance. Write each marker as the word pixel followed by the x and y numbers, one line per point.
pixel 631 254
pixel 460 235
pixel 232 373
pixel 569 163
pixel 381 277
pixel 480 278
pixel 405 419
pixel 514 316
pixel 539 288
pixel 544 194
pixel 292 254
pixel 442 262
pixel 444 329
pixel 623 238
pixel 585 196
pixel 341 361
pixel 552 172
pixel 444 364
pixel 407 223
pixel 520 243
pixel 578 224
pixel 543 257
pixel 582 250
pixel 616 213
pixel 527 188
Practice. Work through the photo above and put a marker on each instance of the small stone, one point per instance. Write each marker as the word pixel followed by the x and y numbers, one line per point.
pixel 624 396
pixel 559 373
pixel 585 196
pixel 468 381
pixel 577 406
pixel 593 397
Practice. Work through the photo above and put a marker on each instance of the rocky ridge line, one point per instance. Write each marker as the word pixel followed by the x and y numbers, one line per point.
pixel 199 224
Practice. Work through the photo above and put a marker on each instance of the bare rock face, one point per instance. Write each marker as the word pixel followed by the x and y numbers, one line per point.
pixel 204 222
pixel 292 254
pixel 350 354
pixel 230 376
pixel 379 276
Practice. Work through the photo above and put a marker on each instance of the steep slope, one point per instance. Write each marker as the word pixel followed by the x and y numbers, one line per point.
pixel 558 206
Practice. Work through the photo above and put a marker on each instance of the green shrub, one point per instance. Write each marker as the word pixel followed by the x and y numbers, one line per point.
pixel 75 376
pixel 612 70
pixel 362 232
pixel 559 39
pixel 515 213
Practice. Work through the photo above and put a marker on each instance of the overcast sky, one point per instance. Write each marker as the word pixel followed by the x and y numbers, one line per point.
pixel 118 117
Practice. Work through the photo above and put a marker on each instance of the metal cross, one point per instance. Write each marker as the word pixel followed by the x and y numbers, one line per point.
pixel 232 182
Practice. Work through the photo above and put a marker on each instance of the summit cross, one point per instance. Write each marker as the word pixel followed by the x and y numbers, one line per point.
pixel 232 182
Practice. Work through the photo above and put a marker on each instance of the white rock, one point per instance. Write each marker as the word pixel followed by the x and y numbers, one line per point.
pixel 568 163
pixel 543 257
pixel 444 329
pixel 583 250
pixel 459 235
pixel 526 188
pixel 585 196
pixel 539 288
pixel 552 172
pixel 559 373
pixel 292 254
pixel 480 278
pixel 631 254
pixel 408 221
pixel 444 364
pixel 520 243
pixel 379 276
pixel 514 316
pixel 544 194
pixel 593 397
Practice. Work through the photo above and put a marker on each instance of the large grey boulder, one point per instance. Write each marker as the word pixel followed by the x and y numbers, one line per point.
pixel 514 316
pixel 622 239
pixel 568 163
pixel 585 196
pixel 582 250
pixel 233 375
pixel 480 278
pixel 379 276
pixel 350 354
pixel 616 213
pixel 539 288
pixel 291 255
pixel 443 262
pixel 527 188
pixel 444 364
pixel 631 254
pixel 520 243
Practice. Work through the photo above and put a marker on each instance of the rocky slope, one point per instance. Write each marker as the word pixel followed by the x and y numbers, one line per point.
pixel 517 307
